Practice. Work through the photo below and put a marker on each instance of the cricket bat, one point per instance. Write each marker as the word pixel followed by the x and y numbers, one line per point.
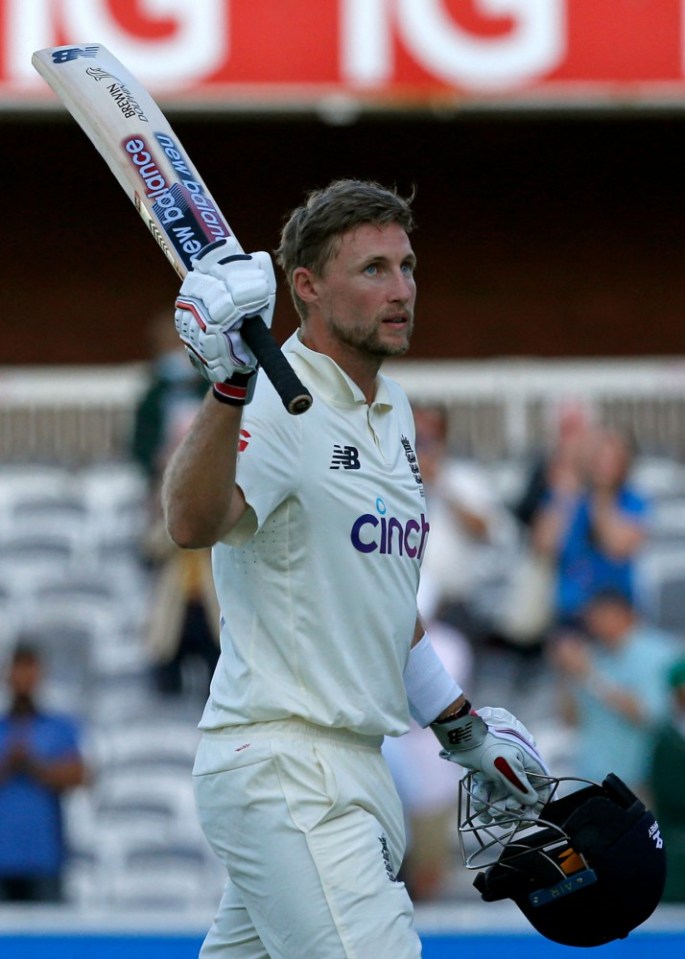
pixel 141 149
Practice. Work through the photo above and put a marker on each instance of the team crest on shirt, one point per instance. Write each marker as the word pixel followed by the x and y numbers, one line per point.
pixel 244 440
pixel 413 463
pixel 385 853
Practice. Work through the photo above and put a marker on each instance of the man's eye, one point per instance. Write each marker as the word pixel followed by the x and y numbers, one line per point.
pixel 371 269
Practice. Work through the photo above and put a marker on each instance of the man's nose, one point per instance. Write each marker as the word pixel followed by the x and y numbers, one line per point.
pixel 402 287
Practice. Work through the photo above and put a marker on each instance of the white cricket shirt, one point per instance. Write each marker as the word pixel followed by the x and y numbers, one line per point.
pixel 317 585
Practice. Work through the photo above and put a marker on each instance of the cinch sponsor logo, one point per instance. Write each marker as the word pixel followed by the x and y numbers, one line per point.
pixel 378 532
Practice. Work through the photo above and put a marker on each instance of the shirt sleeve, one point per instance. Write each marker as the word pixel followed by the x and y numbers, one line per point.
pixel 269 462
pixel 653 687
pixel 56 738
pixel 634 507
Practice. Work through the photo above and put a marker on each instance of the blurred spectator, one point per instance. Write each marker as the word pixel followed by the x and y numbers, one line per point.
pixel 667 783
pixel 428 786
pixel 592 533
pixel 183 620
pixel 529 606
pixel 469 528
pixel 559 471
pixel 615 688
pixel 169 402
pixel 40 760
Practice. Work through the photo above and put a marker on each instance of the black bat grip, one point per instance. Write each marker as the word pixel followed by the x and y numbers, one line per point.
pixel 296 397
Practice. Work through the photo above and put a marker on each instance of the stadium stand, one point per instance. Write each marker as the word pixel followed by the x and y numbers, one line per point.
pixel 71 571
pixel 134 832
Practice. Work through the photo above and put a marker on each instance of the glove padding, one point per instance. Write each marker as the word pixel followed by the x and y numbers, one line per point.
pixel 225 287
pixel 509 773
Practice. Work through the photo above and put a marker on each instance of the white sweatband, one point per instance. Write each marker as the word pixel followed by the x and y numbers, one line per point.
pixel 430 688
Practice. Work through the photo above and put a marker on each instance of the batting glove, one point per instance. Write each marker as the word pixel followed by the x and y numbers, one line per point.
pixel 509 773
pixel 225 287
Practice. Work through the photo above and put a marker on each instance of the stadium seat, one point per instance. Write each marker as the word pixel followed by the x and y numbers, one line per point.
pixel 661 585
pixel 667 520
pixel 657 476
pixel 178 878
pixel 149 746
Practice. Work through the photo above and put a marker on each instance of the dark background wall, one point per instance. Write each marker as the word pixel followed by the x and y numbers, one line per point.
pixel 537 236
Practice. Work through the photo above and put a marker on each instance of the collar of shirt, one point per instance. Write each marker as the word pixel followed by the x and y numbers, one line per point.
pixel 331 382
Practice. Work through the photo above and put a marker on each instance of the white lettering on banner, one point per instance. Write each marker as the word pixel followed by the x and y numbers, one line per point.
pixel 365 41
pixel 535 44
pixel 198 45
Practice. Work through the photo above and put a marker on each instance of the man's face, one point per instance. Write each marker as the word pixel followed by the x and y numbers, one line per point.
pixel 610 622
pixel 24 676
pixel 609 459
pixel 367 291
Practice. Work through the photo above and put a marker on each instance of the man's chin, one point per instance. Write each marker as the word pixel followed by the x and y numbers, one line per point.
pixel 380 347
pixel 387 350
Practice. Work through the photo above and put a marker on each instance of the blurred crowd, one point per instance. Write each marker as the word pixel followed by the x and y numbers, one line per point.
pixel 533 595
pixel 537 600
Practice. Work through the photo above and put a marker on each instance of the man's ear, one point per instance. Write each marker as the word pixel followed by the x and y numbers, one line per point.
pixel 305 284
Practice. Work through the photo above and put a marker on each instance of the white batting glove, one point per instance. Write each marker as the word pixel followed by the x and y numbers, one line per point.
pixel 224 288
pixel 509 773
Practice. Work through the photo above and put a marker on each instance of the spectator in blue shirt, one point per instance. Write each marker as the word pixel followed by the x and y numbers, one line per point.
pixel 592 535
pixel 40 759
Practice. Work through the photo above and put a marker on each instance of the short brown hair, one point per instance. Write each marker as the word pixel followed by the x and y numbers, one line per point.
pixel 310 233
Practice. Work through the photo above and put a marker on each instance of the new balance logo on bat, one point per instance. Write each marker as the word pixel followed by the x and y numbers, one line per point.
pixel 345 457
pixel 73 53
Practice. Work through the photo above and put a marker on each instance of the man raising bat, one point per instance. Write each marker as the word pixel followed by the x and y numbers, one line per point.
pixel 318 526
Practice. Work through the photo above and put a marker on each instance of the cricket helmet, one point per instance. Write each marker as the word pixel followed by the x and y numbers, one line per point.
pixel 589 869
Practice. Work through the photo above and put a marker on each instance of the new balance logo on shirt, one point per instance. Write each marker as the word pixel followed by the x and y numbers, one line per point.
pixel 345 457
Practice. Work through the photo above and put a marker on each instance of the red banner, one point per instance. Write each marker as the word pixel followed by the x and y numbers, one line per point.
pixel 377 52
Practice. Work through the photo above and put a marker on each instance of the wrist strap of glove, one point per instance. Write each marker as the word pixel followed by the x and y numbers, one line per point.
pixel 237 391
pixel 464 730
pixel 463 710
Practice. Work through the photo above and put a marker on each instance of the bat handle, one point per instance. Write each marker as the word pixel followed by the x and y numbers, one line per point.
pixel 296 397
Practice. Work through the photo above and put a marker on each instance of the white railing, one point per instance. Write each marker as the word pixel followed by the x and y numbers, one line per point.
pixel 505 407
pixel 498 408
pixel 65 413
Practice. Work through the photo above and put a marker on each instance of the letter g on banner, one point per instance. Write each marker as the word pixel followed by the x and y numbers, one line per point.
pixel 535 44
pixel 188 41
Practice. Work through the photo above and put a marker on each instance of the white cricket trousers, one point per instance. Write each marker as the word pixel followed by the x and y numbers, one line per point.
pixel 310 828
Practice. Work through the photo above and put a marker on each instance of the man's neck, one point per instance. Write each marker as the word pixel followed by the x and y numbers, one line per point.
pixel 361 368
pixel 23 707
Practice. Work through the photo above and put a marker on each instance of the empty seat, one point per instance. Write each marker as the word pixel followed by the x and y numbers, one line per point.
pixel 667 519
pixel 147 745
pixel 657 476
pixel 661 586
